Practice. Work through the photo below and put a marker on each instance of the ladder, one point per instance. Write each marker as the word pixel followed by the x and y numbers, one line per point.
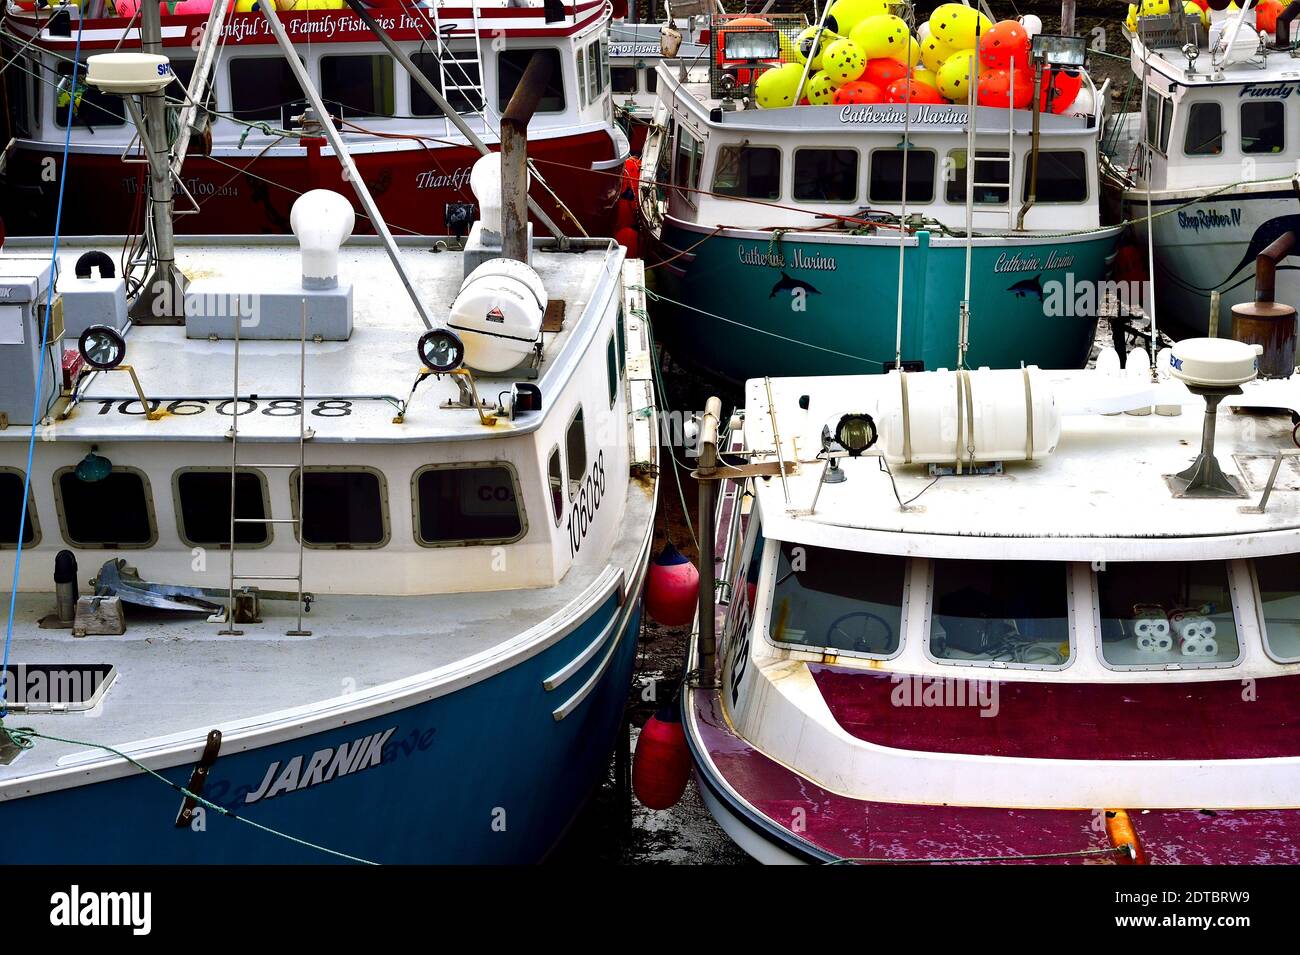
pixel 465 85
pixel 304 435
pixel 974 158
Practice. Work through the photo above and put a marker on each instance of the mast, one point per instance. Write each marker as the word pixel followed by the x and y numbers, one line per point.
pixel 162 300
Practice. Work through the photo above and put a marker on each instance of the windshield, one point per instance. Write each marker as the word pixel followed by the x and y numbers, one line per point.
pixel 842 600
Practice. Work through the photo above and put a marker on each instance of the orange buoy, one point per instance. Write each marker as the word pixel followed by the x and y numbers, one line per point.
pixel 630 240
pixel 1123 836
pixel 672 587
pixel 662 761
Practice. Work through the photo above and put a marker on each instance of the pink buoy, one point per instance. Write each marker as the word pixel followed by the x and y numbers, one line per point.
pixel 672 588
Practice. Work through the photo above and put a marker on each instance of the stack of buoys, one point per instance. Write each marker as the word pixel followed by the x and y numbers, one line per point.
pixel 865 54
pixel 1159 8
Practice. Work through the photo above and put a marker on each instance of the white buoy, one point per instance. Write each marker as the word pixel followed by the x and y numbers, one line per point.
pixel 1138 368
pixel 1163 370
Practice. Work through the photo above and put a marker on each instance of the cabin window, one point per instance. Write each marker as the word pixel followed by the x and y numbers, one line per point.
pixel 261 86
pixel 344 507
pixel 464 83
pixel 1157 614
pixel 1204 136
pixel 620 334
pixel 581 59
pixel 991 171
pixel 748 172
pixel 1263 127
pixel 359 84
pixel 886 184
pixel 510 69
pixel 623 79
pixel 686 164
pixel 555 484
pixel 1279 601
pixel 826 175
pixel 91 108
pixel 843 600
pixel 651 80
pixel 112 513
pixel 203 507
pixel 1159 113
pixel 593 72
pixel 1062 176
pixel 467 504
pixel 1013 612
pixel 13 91
pixel 11 495
pixel 184 72
pixel 611 369
pixel 575 452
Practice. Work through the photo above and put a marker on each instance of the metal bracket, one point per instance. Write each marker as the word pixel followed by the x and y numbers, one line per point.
pixel 1272 479
pixel 198 777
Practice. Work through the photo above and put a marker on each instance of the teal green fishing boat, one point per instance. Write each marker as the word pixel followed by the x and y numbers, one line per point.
pixel 845 239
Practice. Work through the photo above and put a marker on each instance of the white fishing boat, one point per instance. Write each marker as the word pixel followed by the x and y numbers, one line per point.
pixel 1005 616
pixel 1210 157
pixel 365 525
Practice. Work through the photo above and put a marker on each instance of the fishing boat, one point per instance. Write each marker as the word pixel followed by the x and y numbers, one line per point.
pixel 783 240
pixel 1210 157
pixel 253 147
pixel 635 51
pixel 365 530
pixel 1004 616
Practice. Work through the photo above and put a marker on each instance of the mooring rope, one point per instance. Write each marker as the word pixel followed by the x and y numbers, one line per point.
pixel 23 736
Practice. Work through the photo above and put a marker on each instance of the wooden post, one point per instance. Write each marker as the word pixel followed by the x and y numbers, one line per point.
pixel 514 156
pixel 1067 17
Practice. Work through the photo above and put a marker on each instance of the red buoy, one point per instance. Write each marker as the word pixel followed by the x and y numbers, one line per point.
pixel 672 587
pixel 662 762
pixel 630 240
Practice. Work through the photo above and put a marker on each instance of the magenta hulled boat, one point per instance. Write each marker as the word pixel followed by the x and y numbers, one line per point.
pixel 1017 628
pixel 249 158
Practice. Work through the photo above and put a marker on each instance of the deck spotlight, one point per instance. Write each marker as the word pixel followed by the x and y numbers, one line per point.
pixel 856 433
pixel 441 351
pixel 102 347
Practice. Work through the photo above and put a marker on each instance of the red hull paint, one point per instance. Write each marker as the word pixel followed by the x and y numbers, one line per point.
pixel 894 832
pixel 254 196
pixel 1076 720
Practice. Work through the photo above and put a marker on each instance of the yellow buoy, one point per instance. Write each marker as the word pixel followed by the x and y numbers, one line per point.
pixel 954 76
pixel 819 91
pixel 934 51
pixel 843 62
pixel 849 13
pixel 805 49
pixel 884 35
pixel 776 87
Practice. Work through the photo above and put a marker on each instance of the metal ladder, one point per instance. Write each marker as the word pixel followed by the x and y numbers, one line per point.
pixel 472 92
pixel 972 154
pixel 304 434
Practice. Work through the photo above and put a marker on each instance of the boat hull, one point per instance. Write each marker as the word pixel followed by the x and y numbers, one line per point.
pixel 247 194
pixel 756 303
pixel 483 774
pixel 1210 244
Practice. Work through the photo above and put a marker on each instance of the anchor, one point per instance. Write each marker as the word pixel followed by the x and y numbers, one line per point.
pixel 117 578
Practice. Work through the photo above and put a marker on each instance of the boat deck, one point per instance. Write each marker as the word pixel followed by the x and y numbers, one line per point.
pixel 376 366
pixel 1104 486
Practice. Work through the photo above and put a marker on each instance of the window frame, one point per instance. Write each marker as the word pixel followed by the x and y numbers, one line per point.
pixel 612 371
pixel 230 85
pixel 146 487
pixel 468 466
pixel 986 155
pixel 392 81
pixel 33 520
pixel 857 174
pixel 1233 592
pixel 295 510
pixel 767 574
pixel 686 191
pixel 1260 620
pixel 557 78
pixel 575 485
pixel 1241 127
pixel 1187 128
pixel 413 89
pixel 934 176
pixel 1038 199
pixel 555 455
pixel 742 145
pixel 1070 616
pixel 216 468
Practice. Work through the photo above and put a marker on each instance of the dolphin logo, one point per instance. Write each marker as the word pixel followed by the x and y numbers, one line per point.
pixel 1264 236
pixel 1026 287
pixel 788 284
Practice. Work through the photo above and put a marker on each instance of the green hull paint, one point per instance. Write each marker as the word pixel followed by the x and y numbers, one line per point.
pixel 839 314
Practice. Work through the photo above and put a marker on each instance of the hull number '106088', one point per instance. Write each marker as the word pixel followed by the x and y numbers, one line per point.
pixel 187 407
pixel 583 512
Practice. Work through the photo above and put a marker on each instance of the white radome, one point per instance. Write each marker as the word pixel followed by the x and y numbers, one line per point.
pixel 127 73
pixel 1215 362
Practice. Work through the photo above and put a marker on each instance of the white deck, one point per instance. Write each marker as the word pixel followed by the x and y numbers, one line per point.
pixel 1101 496
pixel 379 361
